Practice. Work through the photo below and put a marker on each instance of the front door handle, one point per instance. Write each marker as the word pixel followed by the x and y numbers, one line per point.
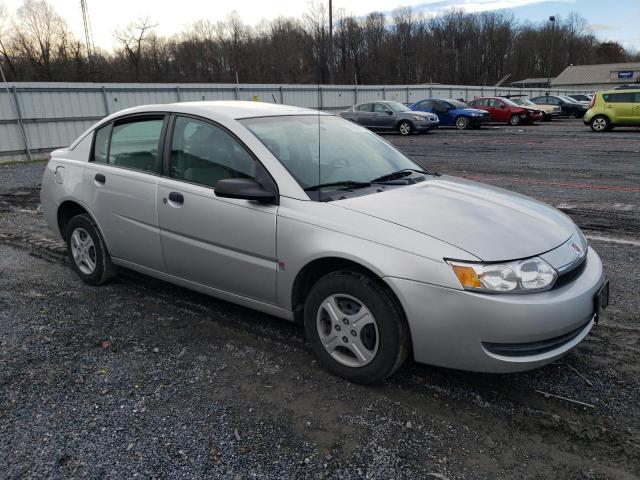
pixel 176 197
pixel 100 178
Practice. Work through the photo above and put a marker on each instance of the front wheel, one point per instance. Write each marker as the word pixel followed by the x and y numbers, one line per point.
pixel 600 123
pixel 462 123
pixel 515 120
pixel 88 253
pixel 405 127
pixel 355 327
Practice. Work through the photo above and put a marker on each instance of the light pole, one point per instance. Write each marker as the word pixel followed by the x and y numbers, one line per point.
pixel 552 19
pixel 330 52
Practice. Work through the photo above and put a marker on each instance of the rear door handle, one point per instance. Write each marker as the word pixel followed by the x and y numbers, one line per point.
pixel 176 197
pixel 100 178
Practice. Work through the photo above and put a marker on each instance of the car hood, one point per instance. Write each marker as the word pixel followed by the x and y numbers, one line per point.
pixel 488 222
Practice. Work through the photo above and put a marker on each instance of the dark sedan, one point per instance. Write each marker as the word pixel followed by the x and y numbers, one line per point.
pixel 569 109
pixel 390 116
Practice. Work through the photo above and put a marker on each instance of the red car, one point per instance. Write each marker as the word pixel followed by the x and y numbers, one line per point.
pixel 503 110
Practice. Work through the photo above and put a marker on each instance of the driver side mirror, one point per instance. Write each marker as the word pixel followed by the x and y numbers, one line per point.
pixel 244 189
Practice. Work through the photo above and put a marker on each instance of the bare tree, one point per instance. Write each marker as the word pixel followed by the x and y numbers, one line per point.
pixel 131 40
pixel 42 36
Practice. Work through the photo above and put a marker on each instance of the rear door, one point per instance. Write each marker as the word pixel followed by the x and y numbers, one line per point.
pixel 499 110
pixel 120 185
pixel 222 243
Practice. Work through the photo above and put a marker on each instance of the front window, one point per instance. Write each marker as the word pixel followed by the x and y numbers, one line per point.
pixel 398 107
pixel 323 149
pixel 204 153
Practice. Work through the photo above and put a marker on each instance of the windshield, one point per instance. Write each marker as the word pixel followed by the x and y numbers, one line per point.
pixel 398 107
pixel 523 101
pixel 509 102
pixel 458 104
pixel 568 99
pixel 320 149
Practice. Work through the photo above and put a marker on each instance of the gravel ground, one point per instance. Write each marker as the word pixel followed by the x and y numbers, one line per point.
pixel 140 378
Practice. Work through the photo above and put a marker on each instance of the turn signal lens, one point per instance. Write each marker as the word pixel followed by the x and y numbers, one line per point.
pixel 466 275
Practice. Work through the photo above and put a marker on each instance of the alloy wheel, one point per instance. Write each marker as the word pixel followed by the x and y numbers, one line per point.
pixel 347 330
pixel 404 128
pixel 83 251
pixel 599 124
pixel 462 123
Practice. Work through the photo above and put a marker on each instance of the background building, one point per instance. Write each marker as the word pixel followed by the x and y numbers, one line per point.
pixel 598 77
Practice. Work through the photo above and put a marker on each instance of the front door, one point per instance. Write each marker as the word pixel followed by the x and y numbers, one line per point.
pixel 383 117
pixel 222 243
pixel 120 183
pixel 620 107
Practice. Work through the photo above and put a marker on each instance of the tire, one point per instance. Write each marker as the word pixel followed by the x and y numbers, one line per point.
pixel 462 122
pixel 88 252
pixel 515 120
pixel 600 123
pixel 405 127
pixel 383 341
pixel 546 117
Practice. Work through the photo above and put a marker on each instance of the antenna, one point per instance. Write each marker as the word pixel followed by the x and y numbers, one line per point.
pixel 88 37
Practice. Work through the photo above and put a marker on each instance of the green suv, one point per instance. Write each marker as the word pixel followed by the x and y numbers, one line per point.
pixel 613 108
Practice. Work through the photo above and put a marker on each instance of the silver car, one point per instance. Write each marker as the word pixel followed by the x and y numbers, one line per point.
pixel 312 218
pixel 391 116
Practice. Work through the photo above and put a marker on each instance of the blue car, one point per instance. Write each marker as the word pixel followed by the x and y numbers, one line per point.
pixel 453 113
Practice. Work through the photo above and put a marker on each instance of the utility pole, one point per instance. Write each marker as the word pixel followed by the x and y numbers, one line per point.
pixel 330 49
pixel 552 19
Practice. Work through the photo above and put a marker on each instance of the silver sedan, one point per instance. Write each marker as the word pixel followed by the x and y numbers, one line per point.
pixel 391 116
pixel 309 217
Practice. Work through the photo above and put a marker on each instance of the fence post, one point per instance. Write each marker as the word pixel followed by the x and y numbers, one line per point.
pixel 355 94
pixel 430 91
pixel 106 102
pixel 408 100
pixel 281 96
pixel 384 93
pixel 178 93
pixel 22 129
pixel 320 106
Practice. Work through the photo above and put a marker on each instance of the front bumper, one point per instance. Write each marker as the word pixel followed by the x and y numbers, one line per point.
pixel 459 329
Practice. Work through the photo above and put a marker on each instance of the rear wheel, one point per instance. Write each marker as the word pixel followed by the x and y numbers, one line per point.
pixel 405 127
pixel 88 253
pixel 515 120
pixel 600 123
pixel 462 122
pixel 355 327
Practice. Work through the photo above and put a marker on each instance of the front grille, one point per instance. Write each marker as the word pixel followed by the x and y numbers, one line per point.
pixel 533 348
pixel 569 276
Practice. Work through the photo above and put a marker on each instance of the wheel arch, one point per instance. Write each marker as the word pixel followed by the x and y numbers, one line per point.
pixel 315 269
pixel 404 120
pixel 69 209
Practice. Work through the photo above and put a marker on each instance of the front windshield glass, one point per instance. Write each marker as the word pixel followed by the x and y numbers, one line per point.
pixel 568 99
pixel 320 149
pixel 398 107
pixel 509 102
pixel 523 101
pixel 458 104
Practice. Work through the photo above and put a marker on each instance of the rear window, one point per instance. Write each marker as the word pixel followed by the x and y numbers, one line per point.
pixel 134 144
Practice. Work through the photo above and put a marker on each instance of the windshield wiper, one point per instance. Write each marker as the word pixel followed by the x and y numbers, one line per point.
pixel 343 183
pixel 399 174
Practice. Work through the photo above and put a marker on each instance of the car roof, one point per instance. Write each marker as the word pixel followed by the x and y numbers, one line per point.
pixel 230 109
pixel 622 90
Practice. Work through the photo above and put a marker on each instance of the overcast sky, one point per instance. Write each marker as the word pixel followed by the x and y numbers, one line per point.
pixel 619 20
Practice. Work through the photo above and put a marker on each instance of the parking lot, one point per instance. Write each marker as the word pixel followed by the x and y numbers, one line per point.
pixel 142 378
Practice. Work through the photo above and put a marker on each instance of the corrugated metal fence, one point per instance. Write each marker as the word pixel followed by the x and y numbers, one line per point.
pixel 38 117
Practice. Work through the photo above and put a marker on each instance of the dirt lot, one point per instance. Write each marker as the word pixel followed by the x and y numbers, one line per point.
pixel 142 378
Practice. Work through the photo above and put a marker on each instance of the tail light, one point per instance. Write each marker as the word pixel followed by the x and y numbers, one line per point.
pixel 592 102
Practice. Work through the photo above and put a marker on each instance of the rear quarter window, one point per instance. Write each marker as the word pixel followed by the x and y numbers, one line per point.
pixel 101 144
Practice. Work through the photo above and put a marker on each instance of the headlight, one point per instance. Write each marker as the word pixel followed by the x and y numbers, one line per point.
pixel 418 117
pixel 520 276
